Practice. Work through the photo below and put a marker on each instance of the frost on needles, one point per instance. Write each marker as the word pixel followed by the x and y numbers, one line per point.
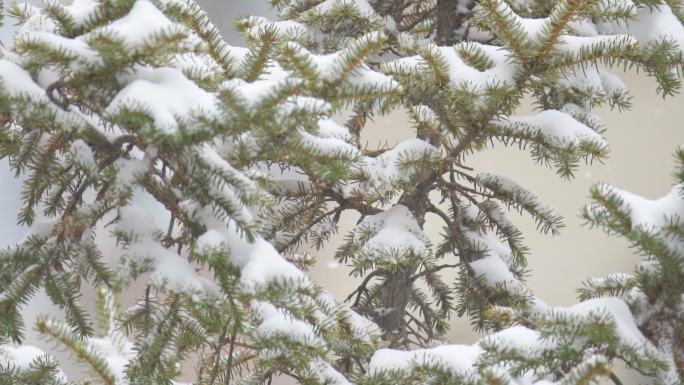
pixel 153 154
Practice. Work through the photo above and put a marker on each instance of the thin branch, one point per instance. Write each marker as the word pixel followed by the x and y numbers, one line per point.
pixel 229 364
pixel 307 228
pixel 615 378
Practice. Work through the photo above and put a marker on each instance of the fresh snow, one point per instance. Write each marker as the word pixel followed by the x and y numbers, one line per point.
pixel 650 214
pixel 22 356
pixel 289 28
pixel 464 358
pixel 193 63
pixel 172 99
pixel 493 267
pixel 77 48
pixel 328 128
pixel 650 25
pixel 82 10
pixel 331 147
pixel 458 358
pixel 328 373
pixel 287 179
pixel 625 324
pixel 84 155
pixel 495 271
pixel 362 6
pixel 117 351
pixel 519 193
pixel 612 84
pixel 168 268
pixel 129 170
pixel 577 44
pixel 558 127
pixel 212 158
pixel 276 321
pixel 622 278
pixel 253 93
pixel 17 82
pixel 517 337
pixel 259 261
pixel 386 169
pixel 329 66
pixel 532 27
pixel 502 71
pixel 140 24
pixel 393 232
pixel 167 95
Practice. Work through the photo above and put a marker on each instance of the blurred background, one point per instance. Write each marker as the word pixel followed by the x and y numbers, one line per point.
pixel 642 142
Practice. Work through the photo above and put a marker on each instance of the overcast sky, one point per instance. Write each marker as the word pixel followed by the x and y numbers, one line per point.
pixel 224 13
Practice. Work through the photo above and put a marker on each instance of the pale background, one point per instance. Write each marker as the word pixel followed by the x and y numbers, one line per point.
pixel 642 143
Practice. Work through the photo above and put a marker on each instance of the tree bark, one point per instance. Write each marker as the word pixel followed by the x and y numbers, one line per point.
pixel 450 17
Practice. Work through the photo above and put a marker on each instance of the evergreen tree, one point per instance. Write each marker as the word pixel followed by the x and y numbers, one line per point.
pixel 117 113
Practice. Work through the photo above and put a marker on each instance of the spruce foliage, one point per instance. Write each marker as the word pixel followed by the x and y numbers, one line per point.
pixel 153 153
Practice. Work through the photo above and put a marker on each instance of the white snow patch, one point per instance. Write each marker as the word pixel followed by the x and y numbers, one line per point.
pixel 277 321
pixel 22 356
pixel 651 214
pixel 626 326
pixel 655 24
pixel 16 81
pixel 557 126
pixel 458 358
pixel 462 75
pixel 141 23
pixel 394 231
pixel 386 169
pixel 168 96
pixel 362 6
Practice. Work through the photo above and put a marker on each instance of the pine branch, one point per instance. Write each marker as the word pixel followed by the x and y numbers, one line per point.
pixel 79 348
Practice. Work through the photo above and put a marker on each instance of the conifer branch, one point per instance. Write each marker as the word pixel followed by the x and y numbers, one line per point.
pixel 79 348
pixel 243 152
